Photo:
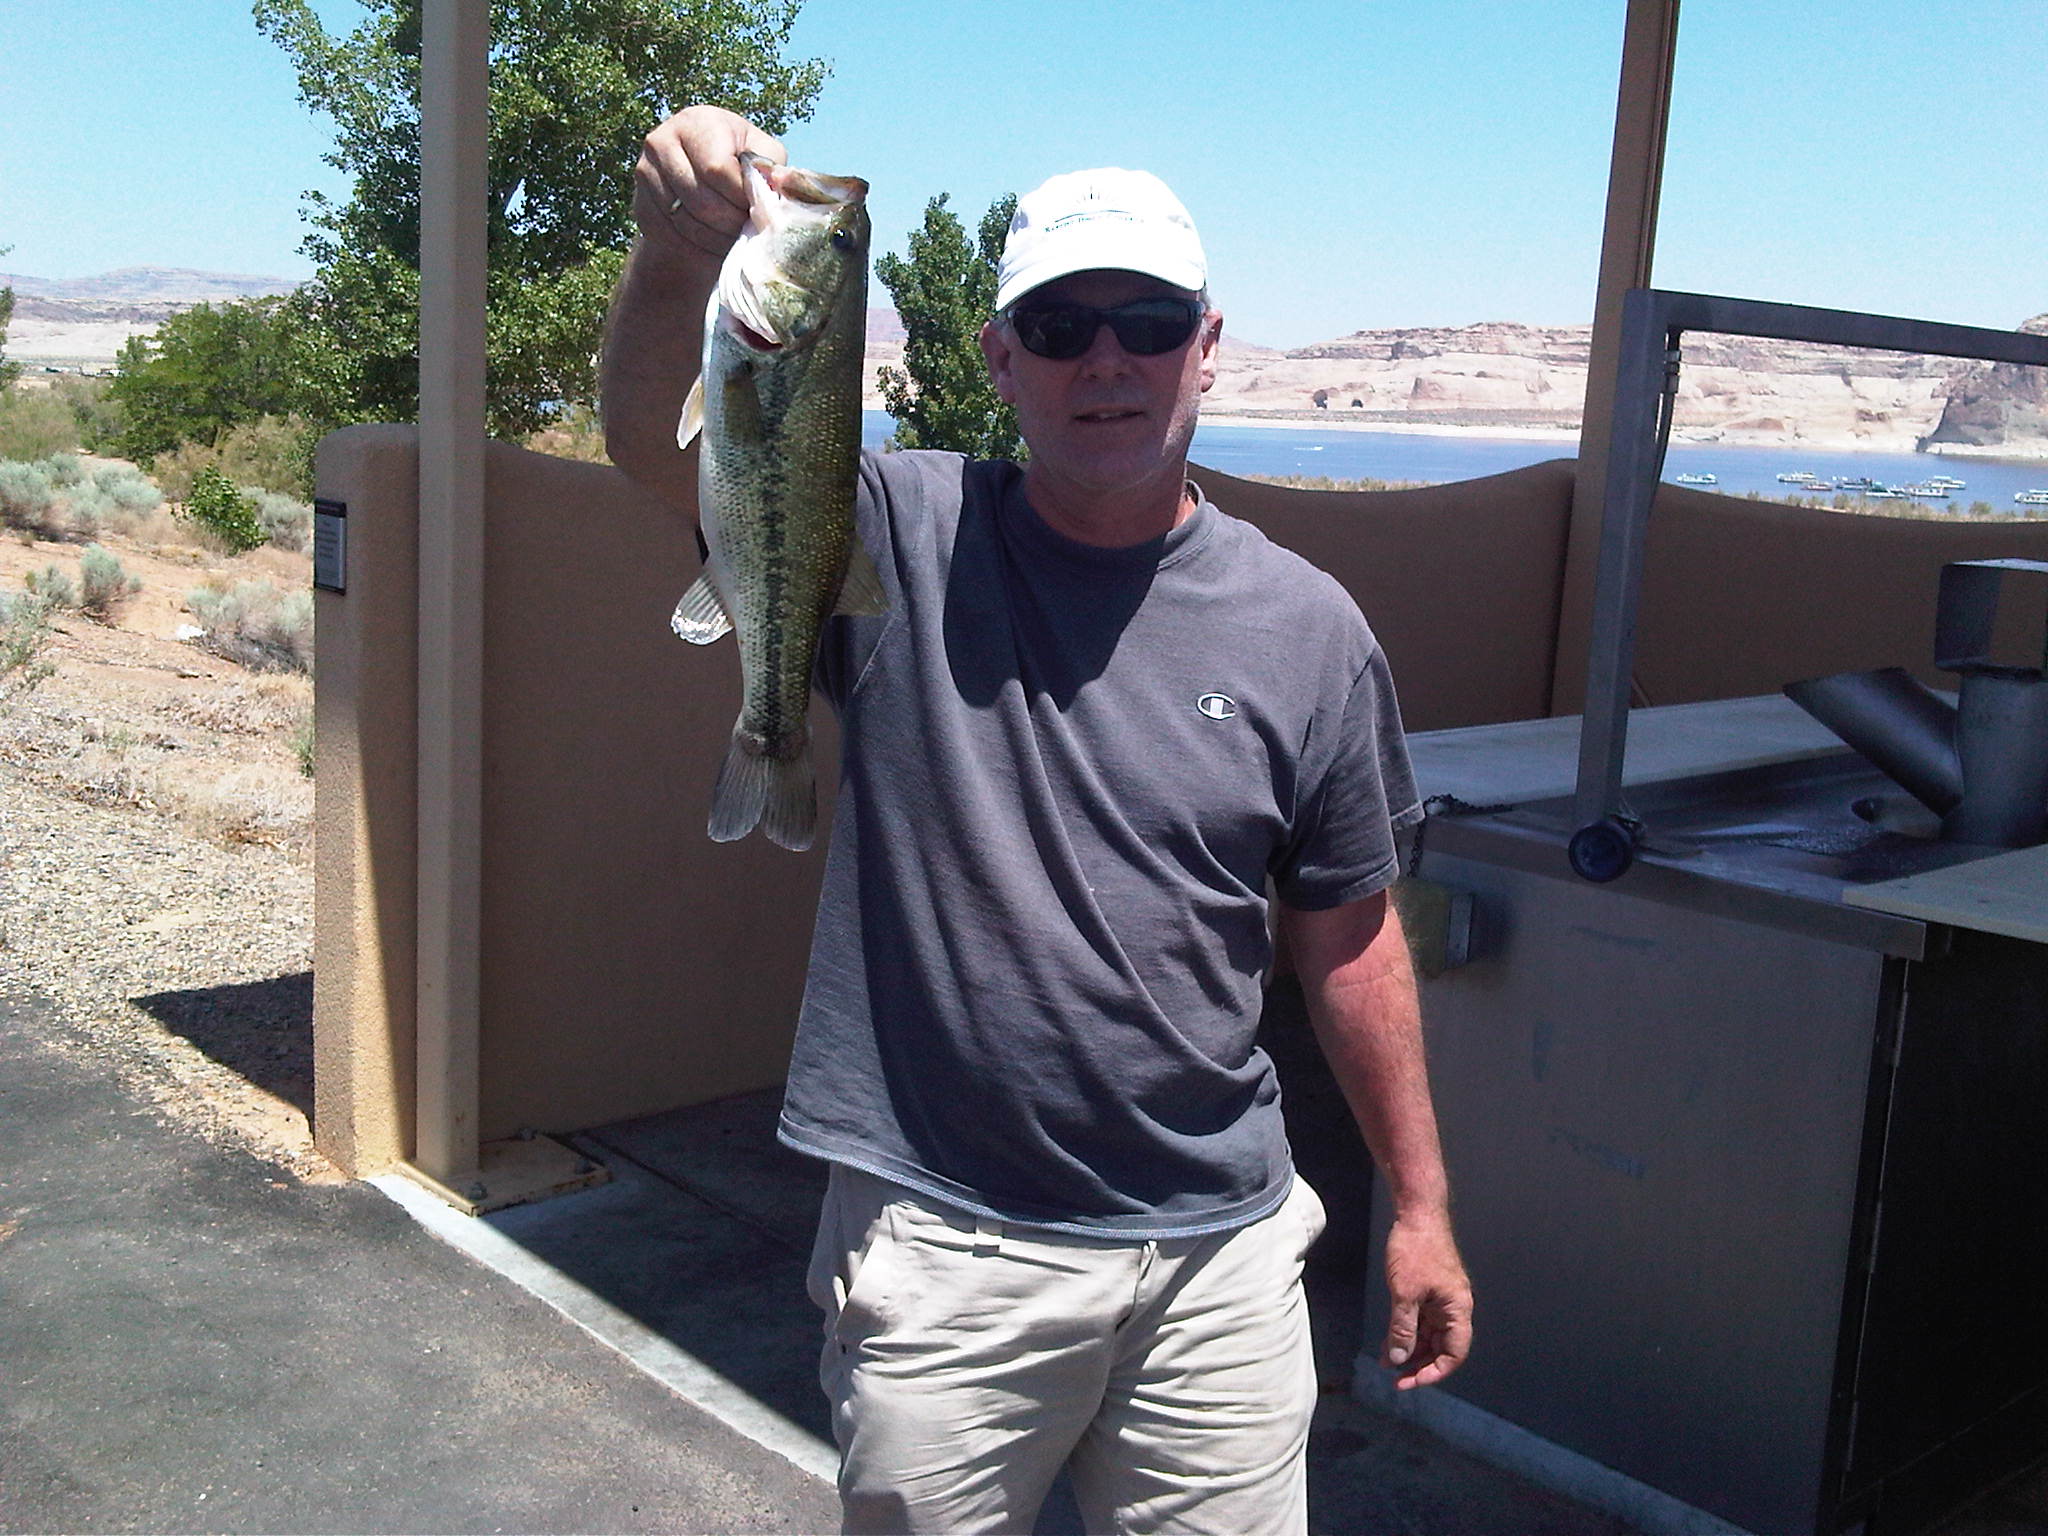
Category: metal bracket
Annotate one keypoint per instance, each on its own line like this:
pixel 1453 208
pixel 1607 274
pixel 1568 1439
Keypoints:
pixel 1652 323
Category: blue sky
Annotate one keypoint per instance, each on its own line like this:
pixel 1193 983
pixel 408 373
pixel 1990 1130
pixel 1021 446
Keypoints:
pixel 1351 163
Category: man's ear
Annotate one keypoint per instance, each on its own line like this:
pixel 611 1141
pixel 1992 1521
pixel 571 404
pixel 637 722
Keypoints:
pixel 1212 341
pixel 996 349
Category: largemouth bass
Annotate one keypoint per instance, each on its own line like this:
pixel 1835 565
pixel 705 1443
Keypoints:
pixel 778 408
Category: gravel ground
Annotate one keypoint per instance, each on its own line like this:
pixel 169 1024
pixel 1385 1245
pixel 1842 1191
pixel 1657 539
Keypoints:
pixel 156 876
pixel 181 966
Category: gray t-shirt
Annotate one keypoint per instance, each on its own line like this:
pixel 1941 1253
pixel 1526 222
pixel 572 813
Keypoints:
pixel 1067 775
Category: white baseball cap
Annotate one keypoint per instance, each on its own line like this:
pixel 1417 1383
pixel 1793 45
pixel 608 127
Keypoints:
pixel 1126 221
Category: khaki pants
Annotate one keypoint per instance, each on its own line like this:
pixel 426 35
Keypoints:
pixel 967 1361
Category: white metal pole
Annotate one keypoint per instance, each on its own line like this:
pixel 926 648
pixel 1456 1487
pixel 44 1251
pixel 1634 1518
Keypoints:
pixel 454 106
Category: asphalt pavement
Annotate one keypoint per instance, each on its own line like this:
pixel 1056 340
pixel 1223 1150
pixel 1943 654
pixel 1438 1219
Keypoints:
pixel 191 1339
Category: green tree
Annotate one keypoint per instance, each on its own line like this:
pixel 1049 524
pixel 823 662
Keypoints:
pixel 9 372
pixel 574 84
pixel 205 370
pixel 942 396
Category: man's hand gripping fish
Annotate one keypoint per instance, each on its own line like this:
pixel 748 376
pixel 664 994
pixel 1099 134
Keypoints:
pixel 778 406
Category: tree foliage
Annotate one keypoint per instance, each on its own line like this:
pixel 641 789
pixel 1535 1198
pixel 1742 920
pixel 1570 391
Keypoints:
pixel 216 503
pixel 204 370
pixel 942 396
pixel 574 84
pixel 9 371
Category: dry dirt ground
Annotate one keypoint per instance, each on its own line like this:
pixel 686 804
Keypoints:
pixel 155 846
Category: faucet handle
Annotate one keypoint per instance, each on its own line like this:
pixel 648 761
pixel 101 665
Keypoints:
pixel 1966 615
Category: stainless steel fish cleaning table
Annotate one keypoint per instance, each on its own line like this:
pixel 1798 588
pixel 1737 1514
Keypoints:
pixel 1742 1089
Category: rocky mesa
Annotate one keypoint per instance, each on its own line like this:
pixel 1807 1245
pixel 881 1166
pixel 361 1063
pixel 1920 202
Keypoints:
pixel 1503 376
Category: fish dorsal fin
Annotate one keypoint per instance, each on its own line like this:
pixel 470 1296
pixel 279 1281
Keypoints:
pixel 861 594
pixel 693 415
pixel 700 617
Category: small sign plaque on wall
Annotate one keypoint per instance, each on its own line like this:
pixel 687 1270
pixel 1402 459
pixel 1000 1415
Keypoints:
pixel 330 545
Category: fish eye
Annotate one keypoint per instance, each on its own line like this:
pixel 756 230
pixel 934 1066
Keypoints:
pixel 842 238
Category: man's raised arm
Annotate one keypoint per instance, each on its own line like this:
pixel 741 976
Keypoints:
pixel 690 200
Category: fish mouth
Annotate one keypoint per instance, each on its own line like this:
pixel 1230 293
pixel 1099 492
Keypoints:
pixel 814 187
pixel 750 338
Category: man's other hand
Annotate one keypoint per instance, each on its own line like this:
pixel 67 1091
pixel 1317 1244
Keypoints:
pixel 1429 1331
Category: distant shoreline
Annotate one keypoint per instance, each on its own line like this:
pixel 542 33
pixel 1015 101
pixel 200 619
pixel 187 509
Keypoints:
pixel 1336 421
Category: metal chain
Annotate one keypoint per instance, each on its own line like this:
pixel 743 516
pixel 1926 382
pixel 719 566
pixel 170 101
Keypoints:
pixel 1444 805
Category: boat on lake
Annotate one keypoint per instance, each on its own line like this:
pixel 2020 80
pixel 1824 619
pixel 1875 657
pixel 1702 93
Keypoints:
pixel 2031 498
pixel 1697 479
pixel 1797 477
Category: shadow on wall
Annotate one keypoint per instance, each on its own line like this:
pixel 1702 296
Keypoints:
pixel 262 1030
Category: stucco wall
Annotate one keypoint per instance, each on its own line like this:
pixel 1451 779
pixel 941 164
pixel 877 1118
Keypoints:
pixel 1460 582
pixel 365 847
pixel 631 965
pixel 1741 597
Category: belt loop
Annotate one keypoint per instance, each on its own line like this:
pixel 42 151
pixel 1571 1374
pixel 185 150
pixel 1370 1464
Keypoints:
pixel 988 1237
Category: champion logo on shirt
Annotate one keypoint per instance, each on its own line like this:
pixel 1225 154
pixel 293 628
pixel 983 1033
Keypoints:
pixel 1217 706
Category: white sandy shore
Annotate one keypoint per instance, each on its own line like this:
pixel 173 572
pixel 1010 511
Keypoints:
pixel 1810 442
pixel 1337 423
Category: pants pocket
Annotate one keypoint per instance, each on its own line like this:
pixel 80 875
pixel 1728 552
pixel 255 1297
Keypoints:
pixel 1309 1209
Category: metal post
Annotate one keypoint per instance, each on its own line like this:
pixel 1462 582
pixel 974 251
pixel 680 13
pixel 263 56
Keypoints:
pixel 1653 321
pixel 1635 176
pixel 454 124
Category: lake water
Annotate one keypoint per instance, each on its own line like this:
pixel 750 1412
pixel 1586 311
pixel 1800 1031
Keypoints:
pixel 1345 455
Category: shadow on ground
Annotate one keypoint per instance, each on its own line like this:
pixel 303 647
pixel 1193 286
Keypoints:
pixel 260 1029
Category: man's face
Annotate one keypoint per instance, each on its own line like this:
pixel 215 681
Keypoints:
pixel 1108 420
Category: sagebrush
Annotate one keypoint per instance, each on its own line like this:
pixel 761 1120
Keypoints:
pixel 103 584
pixel 53 585
pixel 24 631
pixel 61 495
pixel 257 625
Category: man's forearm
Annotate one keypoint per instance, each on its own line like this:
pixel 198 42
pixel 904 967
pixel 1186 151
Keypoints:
pixel 1362 1003
pixel 1354 967
pixel 654 346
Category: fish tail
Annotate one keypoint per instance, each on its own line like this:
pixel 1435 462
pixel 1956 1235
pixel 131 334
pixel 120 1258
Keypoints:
pixel 768 787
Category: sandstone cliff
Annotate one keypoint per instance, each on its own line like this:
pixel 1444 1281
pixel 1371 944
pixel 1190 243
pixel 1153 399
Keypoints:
pixel 1997 406
pixel 1503 375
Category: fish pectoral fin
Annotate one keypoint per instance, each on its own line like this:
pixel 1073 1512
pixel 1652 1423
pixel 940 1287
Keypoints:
pixel 861 594
pixel 700 617
pixel 693 415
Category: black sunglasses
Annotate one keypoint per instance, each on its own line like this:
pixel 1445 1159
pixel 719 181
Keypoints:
pixel 1144 327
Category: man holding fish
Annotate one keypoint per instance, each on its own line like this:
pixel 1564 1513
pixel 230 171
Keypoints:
pixel 1088 722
